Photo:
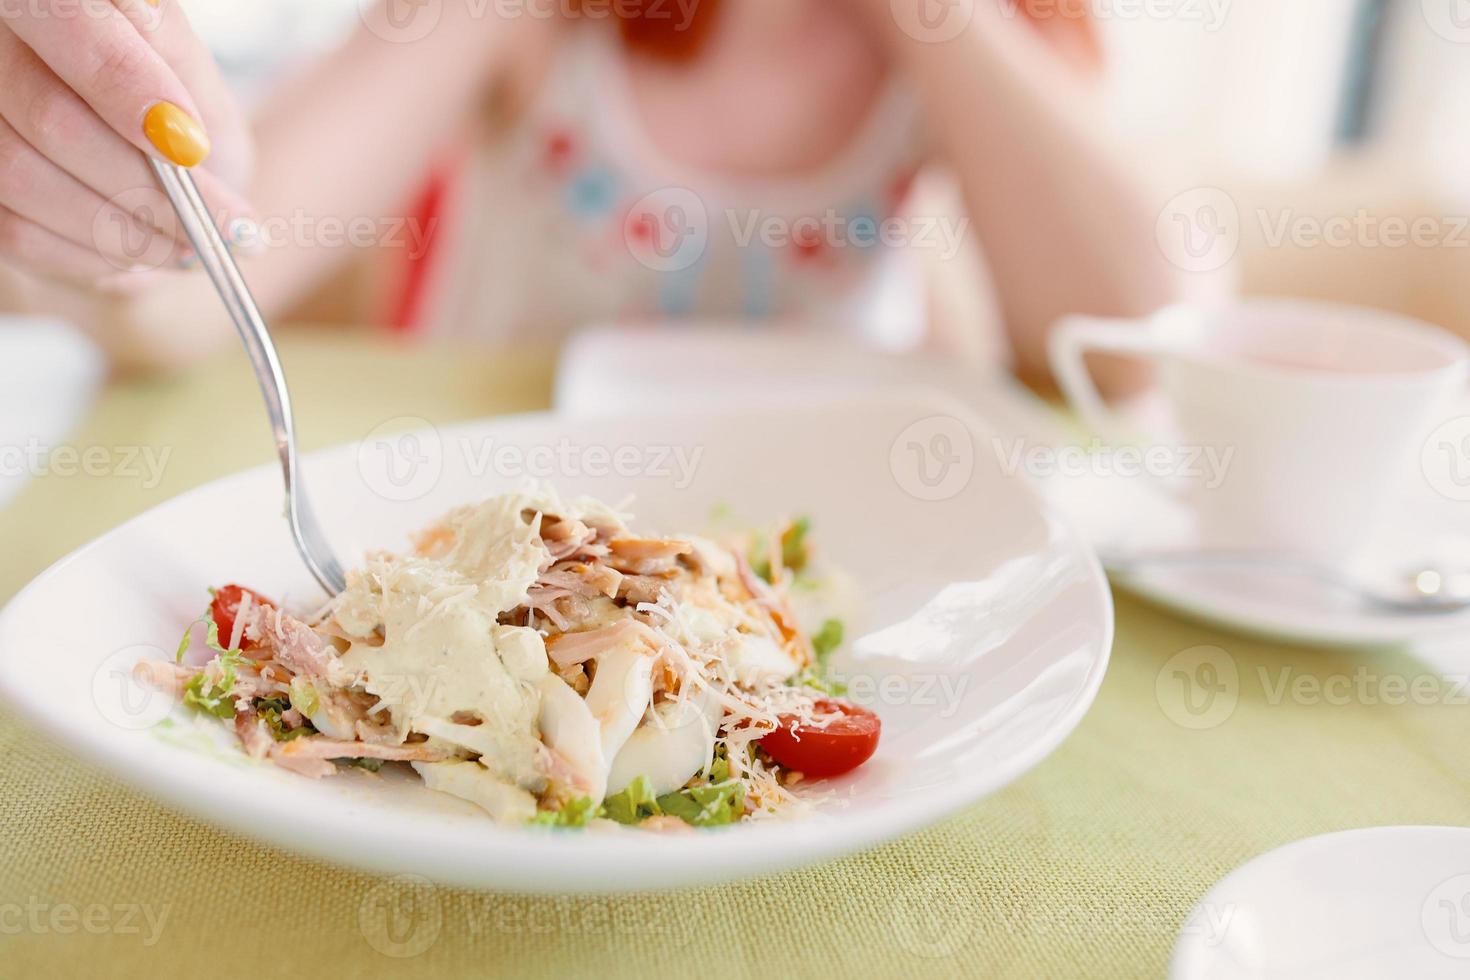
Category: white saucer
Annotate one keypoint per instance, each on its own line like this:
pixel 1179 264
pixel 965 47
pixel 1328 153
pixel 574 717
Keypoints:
pixel 1130 514
pixel 1378 902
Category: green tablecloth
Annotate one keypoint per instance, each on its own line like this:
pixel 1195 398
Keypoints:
pixel 1088 866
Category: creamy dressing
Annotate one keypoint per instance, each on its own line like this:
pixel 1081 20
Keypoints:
pixel 443 666
pixel 424 638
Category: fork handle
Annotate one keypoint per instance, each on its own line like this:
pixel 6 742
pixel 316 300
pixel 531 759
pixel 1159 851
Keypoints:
pixel 215 257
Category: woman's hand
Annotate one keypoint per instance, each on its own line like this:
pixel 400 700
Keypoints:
pixel 1066 214
pixel 90 86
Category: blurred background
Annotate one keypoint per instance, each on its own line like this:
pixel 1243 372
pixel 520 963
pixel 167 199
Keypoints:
pixel 1329 124
pixel 1315 148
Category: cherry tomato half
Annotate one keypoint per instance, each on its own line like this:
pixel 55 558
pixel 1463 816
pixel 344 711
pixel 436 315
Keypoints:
pixel 226 606
pixel 839 746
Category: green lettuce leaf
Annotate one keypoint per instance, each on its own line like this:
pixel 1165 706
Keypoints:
pixel 794 550
pixel 371 765
pixel 827 639
pixel 211 636
pixel 270 711
pixel 303 697
pixel 713 805
pixel 632 805
pixel 215 699
pixel 574 813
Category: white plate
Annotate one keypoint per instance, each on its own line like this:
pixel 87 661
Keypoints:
pixel 1379 902
pixel 1124 514
pixel 986 633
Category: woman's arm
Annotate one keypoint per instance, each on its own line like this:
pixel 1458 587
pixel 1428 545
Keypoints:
pixel 1065 219
pixel 346 142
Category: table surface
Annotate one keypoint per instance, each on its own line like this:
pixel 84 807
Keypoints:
pixel 1088 866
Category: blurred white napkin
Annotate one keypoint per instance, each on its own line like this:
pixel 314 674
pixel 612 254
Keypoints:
pixel 630 369
pixel 49 377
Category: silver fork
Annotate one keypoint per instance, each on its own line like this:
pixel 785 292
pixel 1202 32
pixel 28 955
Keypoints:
pixel 215 257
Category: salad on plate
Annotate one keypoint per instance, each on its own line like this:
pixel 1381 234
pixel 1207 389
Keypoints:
pixel 537 657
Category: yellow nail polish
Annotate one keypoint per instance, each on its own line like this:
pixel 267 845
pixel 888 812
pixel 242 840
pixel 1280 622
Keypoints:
pixel 176 134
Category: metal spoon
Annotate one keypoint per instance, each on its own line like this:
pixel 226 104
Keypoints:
pixel 1430 590
pixel 216 259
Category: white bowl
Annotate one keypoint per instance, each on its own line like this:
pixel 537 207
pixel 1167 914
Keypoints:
pixel 984 633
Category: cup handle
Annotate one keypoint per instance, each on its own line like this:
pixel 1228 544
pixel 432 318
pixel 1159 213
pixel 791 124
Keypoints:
pixel 1072 339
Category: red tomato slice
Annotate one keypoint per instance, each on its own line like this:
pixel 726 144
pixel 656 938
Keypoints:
pixel 839 746
pixel 226 606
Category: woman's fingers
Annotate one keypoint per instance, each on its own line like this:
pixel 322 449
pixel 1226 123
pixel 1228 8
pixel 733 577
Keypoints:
pixel 36 189
pixel 100 55
pixel 166 27
pixel 46 253
pixel 54 120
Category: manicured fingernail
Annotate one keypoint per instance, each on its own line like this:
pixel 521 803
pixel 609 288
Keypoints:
pixel 176 135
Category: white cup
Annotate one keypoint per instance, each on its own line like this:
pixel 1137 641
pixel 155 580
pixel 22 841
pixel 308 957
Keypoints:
pixel 1317 410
